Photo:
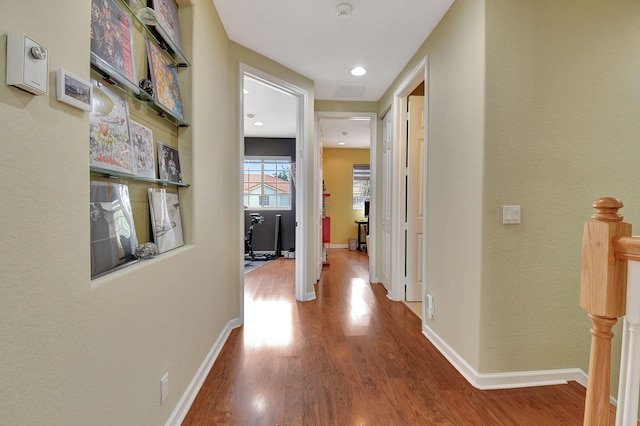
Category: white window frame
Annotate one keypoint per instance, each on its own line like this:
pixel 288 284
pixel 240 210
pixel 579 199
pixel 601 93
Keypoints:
pixel 359 171
pixel 263 159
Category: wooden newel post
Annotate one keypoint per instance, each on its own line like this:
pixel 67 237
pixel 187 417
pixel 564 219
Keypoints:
pixel 603 293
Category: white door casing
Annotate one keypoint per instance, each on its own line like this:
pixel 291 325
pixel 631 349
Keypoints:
pixel 305 170
pixel 415 199
pixel 398 181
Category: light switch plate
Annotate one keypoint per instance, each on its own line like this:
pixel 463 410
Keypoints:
pixel 27 64
pixel 510 215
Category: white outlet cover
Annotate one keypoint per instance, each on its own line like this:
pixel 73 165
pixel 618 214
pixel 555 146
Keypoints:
pixel 164 384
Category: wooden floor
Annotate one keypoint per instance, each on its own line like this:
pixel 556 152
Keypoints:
pixel 352 357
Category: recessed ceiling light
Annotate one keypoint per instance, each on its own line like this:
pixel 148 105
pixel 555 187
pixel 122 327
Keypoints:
pixel 341 143
pixel 258 123
pixel 358 71
pixel 245 91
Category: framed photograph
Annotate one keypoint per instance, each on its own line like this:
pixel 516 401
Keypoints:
pixel 73 90
pixel 168 23
pixel 110 144
pixel 168 163
pixel 113 234
pixel 112 42
pixel 164 76
pixel 166 222
pixel 143 158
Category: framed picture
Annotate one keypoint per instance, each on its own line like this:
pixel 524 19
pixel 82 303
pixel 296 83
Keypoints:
pixel 168 27
pixel 109 134
pixel 168 163
pixel 73 90
pixel 113 234
pixel 112 42
pixel 165 219
pixel 143 158
pixel 164 76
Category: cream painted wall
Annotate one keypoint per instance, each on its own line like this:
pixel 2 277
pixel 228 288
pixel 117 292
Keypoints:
pixel 561 130
pixel 337 167
pixel 80 352
pixel 454 192
pixel 240 54
pixel 531 103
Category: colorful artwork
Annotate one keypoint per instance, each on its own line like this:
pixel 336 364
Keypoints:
pixel 113 234
pixel 112 42
pixel 168 163
pixel 143 157
pixel 165 219
pixel 168 23
pixel 109 138
pixel 164 76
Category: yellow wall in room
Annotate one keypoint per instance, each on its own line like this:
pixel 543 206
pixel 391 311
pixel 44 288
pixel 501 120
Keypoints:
pixel 337 169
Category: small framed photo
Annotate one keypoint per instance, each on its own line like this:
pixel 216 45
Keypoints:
pixel 73 90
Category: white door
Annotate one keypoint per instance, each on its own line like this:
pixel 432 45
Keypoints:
pixel 415 199
pixel 385 222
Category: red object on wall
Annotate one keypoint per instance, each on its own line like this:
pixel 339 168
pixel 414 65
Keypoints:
pixel 326 229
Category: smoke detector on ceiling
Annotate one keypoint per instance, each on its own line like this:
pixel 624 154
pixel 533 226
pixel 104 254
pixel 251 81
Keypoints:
pixel 343 10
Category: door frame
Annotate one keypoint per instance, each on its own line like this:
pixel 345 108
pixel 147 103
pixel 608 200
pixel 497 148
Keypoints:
pixel 398 210
pixel 373 155
pixel 303 173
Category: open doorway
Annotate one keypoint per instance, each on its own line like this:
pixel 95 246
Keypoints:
pixel 346 141
pixel 409 196
pixel 269 190
pixel 298 171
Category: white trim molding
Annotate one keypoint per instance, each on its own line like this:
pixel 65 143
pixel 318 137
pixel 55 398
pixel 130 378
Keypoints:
pixel 509 380
pixel 189 395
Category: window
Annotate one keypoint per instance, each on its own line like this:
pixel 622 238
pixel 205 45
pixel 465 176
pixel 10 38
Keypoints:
pixel 361 185
pixel 267 183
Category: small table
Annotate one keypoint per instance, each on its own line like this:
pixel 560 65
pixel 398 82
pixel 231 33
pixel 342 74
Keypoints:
pixel 362 224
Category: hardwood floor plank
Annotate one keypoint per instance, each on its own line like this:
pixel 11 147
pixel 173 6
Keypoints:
pixel 352 357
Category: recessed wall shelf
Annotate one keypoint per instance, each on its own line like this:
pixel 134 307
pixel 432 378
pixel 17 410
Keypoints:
pixel 142 98
pixel 119 175
pixel 145 16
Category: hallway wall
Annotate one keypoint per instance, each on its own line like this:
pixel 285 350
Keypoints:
pixel 561 131
pixel 76 351
pixel 531 103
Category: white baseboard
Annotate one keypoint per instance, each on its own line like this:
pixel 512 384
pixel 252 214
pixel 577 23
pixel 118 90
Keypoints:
pixel 518 379
pixel 189 395
pixel 340 246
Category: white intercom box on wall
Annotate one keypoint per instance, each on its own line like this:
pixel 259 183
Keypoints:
pixel 27 64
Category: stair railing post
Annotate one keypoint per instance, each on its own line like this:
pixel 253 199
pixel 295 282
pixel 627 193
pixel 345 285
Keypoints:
pixel 603 295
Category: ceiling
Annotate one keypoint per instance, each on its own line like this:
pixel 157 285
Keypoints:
pixel 276 110
pixel 308 37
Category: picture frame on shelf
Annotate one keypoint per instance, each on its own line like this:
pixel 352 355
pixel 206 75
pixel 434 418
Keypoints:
pixel 168 26
pixel 110 145
pixel 143 155
pixel 113 233
pixel 166 222
pixel 169 163
pixel 112 49
pixel 164 76
pixel 73 90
